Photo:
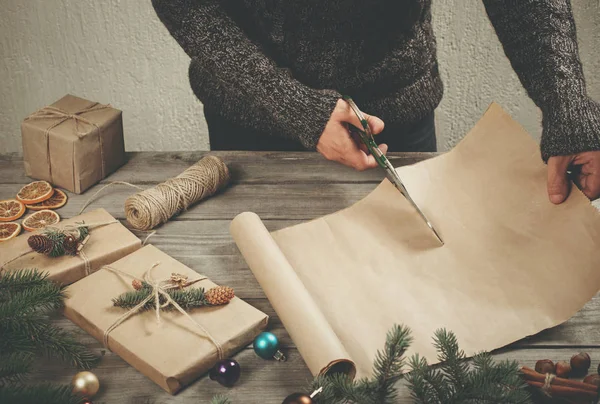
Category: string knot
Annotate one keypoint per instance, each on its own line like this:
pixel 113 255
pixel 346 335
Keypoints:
pixel 160 289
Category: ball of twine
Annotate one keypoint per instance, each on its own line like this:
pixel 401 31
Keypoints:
pixel 154 206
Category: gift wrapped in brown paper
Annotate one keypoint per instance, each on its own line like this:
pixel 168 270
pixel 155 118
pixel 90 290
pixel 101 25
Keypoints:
pixel 108 241
pixel 73 143
pixel 174 347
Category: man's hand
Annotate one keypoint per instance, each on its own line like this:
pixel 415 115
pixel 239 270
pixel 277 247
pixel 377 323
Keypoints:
pixel 586 169
pixel 337 144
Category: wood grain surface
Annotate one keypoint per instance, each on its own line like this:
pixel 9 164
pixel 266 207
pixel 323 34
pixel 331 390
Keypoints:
pixel 284 189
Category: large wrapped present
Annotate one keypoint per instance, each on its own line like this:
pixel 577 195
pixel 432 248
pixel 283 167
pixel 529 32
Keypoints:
pixel 177 346
pixel 73 143
pixel 106 240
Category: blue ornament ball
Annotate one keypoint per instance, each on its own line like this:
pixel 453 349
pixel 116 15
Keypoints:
pixel 266 345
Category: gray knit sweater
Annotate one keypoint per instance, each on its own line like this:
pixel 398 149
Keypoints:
pixel 279 66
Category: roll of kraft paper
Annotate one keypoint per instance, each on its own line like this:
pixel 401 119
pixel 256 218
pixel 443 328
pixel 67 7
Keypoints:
pixel 312 333
pixel 154 206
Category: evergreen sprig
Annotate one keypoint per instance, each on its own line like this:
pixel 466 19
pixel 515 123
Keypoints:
pixel 457 380
pixel 57 238
pixel 220 399
pixel 186 298
pixel 27 297
pixel 42 393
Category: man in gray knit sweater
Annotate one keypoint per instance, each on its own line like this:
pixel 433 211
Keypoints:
pixel 270 74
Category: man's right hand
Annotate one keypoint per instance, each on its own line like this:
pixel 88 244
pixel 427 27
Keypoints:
pixel 337 144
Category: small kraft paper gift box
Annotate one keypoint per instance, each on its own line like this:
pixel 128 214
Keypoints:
pixel 178 345
pixel 73 143
pixel 105 240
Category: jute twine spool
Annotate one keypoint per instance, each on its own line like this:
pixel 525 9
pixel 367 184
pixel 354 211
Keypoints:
pixel 154 206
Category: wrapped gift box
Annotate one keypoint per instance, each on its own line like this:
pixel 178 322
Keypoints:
pixel 106 243
pixel 176 351
pixel 73 143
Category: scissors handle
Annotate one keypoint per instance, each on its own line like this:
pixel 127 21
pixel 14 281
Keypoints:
pixel 366 136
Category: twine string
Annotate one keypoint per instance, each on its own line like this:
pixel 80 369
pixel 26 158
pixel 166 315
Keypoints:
pixel 50 112
pixel 154 206
pixel 548 383
pixel 159 288
pixel 72 229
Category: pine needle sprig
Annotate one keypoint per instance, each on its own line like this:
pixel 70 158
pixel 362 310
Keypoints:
pixel 186 298
pixel 14 282
pixel 27 299
pixel 389 364
pixel 452 358
pixel 43 298
pixel 14 367
pixel 220 399
pixel 43 393
pixel 55 342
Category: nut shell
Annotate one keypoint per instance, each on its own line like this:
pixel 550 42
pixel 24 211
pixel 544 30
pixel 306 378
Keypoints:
pixel 580 363
pixel 563 369
pixel 592 379
pixel 544 366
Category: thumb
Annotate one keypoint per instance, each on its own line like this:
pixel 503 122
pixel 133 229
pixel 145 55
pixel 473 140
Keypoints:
pixel 558 183
pixel 375 123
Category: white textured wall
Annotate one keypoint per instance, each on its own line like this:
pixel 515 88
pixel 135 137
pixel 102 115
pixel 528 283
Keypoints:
pixel 117 51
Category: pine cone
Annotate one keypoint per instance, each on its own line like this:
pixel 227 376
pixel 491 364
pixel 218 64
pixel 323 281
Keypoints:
pixel 219 295
pixel 40 244
pixel 70 245
pixel 137 284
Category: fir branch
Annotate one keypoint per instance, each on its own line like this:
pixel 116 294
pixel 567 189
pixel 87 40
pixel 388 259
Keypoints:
pixel 389 363
pixel 14 367
pixel 55 342
pixel 220 399
pixel 16 281
pixel 43 393
pixel 41 298
pixel 427 385
pixel 452 358
pixel 186 298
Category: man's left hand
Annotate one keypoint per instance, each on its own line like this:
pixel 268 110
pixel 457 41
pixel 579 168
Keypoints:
pixel 586 169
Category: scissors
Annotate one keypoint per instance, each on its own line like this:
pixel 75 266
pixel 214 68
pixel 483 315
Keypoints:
pixel 366 136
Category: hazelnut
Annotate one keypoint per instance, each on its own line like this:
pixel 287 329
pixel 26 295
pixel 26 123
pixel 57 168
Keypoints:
pixel 592 379
pixel 580 363
pixel 563 369
pixel 544 366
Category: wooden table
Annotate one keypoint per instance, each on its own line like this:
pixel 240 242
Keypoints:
pixel 283 189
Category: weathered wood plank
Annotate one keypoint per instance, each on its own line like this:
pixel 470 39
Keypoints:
pixel 246 167
pixel 264 382
pixel 581 330
pixel 269 201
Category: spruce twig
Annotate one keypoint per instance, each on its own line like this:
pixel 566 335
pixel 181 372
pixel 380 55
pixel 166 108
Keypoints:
pixel 14 367
pixel 26 299
pixel 43 393
pixel 14 282
pixel 220 399
pixel 186 298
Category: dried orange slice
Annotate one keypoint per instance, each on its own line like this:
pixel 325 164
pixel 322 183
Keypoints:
pixel 35 192
pixel 40 219
pixel 56 201
pixel 9 230
pixel 10 210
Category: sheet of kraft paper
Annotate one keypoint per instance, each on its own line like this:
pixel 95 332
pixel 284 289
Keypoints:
pixel 513 264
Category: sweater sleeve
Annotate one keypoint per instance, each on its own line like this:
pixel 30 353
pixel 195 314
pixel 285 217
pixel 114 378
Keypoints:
pixel 540 40
pixel 233 74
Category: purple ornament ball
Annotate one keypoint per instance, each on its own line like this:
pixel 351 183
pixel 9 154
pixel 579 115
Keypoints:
pixel 226 372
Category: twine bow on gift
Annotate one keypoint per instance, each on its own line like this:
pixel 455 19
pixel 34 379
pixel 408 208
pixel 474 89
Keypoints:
pixel 50 112
pixel 159 288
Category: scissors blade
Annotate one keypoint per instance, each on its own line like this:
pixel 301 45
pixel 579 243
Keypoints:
pixel 394 178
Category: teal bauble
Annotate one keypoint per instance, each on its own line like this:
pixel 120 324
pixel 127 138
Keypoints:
pixel 266 345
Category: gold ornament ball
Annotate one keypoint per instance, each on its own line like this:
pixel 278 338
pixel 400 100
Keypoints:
pixel 85 384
